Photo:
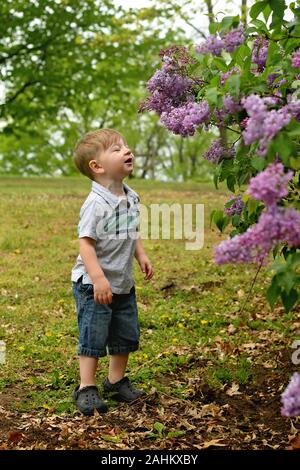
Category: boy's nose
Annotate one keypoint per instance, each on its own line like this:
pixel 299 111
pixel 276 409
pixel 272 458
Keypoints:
pixel 128 151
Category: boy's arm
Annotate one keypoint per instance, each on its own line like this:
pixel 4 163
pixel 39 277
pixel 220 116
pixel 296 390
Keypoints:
pixel 142 258
pixel 102 289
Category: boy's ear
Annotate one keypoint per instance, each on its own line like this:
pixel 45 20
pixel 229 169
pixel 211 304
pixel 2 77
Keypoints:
pixel 96 166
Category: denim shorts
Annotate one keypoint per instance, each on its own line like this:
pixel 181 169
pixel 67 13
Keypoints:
pixel 112 328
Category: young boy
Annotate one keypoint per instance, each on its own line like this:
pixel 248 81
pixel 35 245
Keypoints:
pixel 102 282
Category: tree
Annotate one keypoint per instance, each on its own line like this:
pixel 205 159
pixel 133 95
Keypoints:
pixel 69 67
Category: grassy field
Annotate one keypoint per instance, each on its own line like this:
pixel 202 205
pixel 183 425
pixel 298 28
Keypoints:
pixel 213 377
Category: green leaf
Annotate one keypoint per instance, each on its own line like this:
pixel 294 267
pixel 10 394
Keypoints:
pixel 258 163
pixel 175 434
pixel 159 427
pixel 228 22
pixel 286 280
pixel 212 95
pixel 220 220
pixel 267 12
pixel 257 8
pixel 289 300
pixel 278 7
pixel 295 163
pixel 252 206
pixel 213 28
pixel 261 26
pixel 234 84
pixel 273 292
pixel 230 183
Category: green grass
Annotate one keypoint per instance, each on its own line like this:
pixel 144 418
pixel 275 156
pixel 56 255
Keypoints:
pixel 179 326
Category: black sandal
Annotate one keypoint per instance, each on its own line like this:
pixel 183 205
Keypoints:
pixel 87 399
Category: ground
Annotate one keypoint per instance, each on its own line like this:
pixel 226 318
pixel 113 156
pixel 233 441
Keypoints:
pixel 214 375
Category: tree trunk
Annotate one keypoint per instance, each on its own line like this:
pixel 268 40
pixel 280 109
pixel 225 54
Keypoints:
pixel 244 12
pixel 210 11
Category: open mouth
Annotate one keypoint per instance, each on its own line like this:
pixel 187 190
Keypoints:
pixel 129 160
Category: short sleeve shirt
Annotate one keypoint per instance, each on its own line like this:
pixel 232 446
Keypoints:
pixel 112 221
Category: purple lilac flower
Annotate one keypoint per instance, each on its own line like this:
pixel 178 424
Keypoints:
pixel 172 85
pixel 157 102
pixel 260 52
pixel 272 77
pixel 231 105
pixel 226 75
pixel 233 39
pixel 236 207
pixel 217 152
pixel 185 119
pixel 296 59
pixel 212 45
pixel 263 125
pixel 176 58
pixel 271 100
pixel 290 398
pixel 229 41
pixel 244 123
pixel 166 90
pixel 275 225
pixel 220 115
pixel 254 105
pixel 270 185
pixel 274 122
pixel 257 111
pixel 293 107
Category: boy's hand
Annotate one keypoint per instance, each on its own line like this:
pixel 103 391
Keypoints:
pixel 102 291
pixel 145 266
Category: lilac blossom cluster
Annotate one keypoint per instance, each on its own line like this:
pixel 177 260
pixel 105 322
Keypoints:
pixel 213 45
pixel 263 124
pixel 270 185
pixel 234 39
pixel 171 85
pixel 229 42
pixel 236 208
pixel 296 59
pixel 275 225
pixel 260 52
pixel 217 152
pixel 293 107
pixel 290 398
pixel 231 106
pixel 185 119
pixel 167 89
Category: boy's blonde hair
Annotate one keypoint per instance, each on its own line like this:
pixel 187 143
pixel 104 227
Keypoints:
pixel 91 145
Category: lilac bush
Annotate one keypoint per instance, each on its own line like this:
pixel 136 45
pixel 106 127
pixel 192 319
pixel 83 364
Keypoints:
pixel 242 83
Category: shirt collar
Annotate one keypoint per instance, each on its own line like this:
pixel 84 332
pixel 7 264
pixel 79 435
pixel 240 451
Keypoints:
pixel 111 198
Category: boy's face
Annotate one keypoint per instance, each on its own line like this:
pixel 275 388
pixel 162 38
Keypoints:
pixel 116 162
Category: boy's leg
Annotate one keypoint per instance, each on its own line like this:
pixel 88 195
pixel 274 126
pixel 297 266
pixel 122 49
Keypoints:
pixel 117 367
pixel 88 367
pixel 123 339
